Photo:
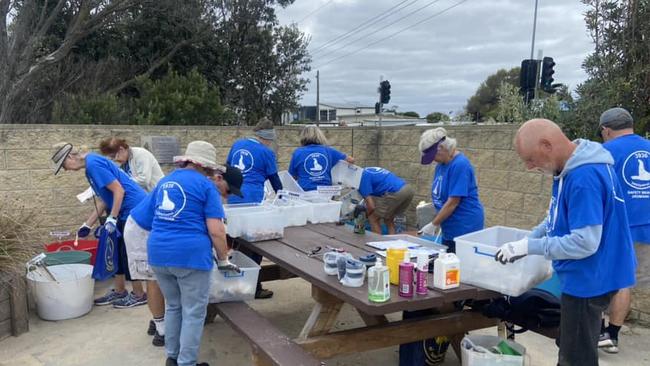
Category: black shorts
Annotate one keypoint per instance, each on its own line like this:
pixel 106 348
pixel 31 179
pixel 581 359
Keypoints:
pixel 122 259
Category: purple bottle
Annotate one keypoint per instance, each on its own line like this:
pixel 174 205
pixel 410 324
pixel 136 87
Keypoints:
pixel 406 269
pixel 421 272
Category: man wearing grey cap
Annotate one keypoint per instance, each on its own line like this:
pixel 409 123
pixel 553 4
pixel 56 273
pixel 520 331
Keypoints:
pixel 631 154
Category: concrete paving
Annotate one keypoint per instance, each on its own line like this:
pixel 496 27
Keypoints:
pixel 112 337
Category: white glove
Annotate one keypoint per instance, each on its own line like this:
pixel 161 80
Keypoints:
pixel 226 265
pixel 111 224
pixel 512 251
pixel 429 229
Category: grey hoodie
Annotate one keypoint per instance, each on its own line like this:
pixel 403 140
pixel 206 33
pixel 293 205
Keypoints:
pixel 583 242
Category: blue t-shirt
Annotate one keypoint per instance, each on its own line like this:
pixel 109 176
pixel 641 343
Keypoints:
pixel 142 214
pixel 589 196
pixel 312 164
pixel 100 172
pixel 377 182
pixel 181 202
pixel 632 165
pixel 257 162
pixel 457 179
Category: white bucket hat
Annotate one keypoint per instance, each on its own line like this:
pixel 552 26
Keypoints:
pixel 201 153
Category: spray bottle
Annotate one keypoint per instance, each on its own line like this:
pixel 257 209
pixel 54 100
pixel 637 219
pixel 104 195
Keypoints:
pixel 406 276
pixel 421 272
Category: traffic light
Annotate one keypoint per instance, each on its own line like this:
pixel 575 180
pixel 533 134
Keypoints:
pixel 384 92
pixel 547 75
pixel 377 108
pixel 528 79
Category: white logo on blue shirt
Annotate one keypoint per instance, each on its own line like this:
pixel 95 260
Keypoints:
pixel 316 164
pixel 376 170
pixel 171 199
pixel 436 190
pixel 636 172
pixel 243 160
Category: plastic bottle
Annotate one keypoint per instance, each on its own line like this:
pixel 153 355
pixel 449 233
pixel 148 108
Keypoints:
pixel 360 223
pixel 400 223
pixel 406 276
pixel 446 271
pixel 378 282
pixel 421 272
pixel 393 258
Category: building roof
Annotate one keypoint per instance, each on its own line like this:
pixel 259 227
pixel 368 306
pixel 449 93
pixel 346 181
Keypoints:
pixel 348 105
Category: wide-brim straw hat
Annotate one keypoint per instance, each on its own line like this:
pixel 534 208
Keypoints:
pixel 201 153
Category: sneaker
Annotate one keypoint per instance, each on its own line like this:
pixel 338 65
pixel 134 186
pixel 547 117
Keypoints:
pixel 607 343
pixel 264 294
pixel 152 328
pixel 130 301
pixel 172 362
pixel 158 340
pixel 110 297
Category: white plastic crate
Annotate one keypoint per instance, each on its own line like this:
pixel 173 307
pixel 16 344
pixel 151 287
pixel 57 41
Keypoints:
pixel 228 286
pixel 476 252
pixel 347 174
pixel 254 222
pixel 476 351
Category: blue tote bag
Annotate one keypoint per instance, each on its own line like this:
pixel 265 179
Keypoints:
pixel 106 263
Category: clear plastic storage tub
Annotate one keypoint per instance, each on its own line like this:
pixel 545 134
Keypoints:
pixel 347 174
pixel 254 222
pixel 295 211
pixel 228 286
pixel 476 252
pixel 324 210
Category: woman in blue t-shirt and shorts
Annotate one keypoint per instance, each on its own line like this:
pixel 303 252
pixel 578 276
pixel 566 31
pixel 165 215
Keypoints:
pixel 118 194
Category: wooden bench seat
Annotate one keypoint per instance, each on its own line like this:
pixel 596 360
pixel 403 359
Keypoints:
pixel 270 346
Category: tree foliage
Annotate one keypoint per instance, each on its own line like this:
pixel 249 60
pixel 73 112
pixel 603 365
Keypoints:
pixel 483 104
pixel 619 67
pixel 101 51
pixel 434 117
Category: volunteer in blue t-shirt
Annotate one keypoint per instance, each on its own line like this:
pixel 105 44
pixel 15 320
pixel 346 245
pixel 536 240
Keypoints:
pixel 119 194
pixel 257 162
pixel 586 233
pixel 187 224
pixel 386 195
pixel 453 191
pixel 254 157
pixel 312 163
pixel 631 154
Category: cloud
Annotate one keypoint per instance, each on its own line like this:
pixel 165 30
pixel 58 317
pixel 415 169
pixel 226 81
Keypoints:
pixel 439 64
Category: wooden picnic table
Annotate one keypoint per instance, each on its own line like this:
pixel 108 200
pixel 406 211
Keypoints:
pixel 291 253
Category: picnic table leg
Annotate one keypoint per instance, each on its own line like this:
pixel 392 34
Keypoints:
pixel 455 344
pixel 323 315
pixel 371 320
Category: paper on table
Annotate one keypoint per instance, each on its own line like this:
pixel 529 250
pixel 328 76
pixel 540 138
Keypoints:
pixel 393 244
pixel 85 195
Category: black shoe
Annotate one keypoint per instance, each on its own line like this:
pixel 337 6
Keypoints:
pixel 152 328
pixel 158 340
pixel 170 362
pixel 264 294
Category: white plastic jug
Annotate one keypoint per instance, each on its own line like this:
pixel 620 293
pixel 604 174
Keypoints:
pixel 446 271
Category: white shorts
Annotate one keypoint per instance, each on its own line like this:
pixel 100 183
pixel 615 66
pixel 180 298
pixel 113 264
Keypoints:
pixel 135 240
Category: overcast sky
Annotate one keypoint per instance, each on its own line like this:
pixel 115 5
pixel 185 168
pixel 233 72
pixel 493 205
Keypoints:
pixel 438 64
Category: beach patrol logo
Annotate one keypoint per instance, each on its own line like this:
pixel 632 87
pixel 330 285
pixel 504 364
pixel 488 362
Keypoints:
pixel 243 160
pixel 636 170
pixel 316 164
pixel 170 201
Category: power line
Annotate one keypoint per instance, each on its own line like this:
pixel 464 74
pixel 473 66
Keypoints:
pixel 351 31
pixel 393 34
pixel 386 26
pixel 314 12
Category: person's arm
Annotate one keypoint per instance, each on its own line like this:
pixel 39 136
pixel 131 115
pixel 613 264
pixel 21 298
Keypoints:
pixel 99 207
pixel 579 244
pixel 217 231
pixel 275 181
pixel 370 205
pixel 446 210
pixel 349 159
pixel 538 231
pixel 142 171
pixel 118 196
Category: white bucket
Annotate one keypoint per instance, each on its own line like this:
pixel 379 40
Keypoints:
pixel 71 296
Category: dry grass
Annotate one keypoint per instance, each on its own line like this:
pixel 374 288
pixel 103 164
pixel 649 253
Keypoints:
pixel 18 242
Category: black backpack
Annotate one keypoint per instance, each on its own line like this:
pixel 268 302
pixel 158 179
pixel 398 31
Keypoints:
pixel 535 309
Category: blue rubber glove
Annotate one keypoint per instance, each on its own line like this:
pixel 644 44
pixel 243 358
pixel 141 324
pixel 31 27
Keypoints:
pixel 111 224
pixel 84 230
pixel 98 232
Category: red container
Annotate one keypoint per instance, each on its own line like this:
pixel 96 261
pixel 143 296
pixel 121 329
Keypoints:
pixel 89 246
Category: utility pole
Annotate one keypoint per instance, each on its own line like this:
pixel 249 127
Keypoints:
pixel 317 97
pixel 532 46
pixel 381 105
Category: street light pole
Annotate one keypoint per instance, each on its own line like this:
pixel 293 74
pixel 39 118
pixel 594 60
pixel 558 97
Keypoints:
pixel 532 46
pixel 317 97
